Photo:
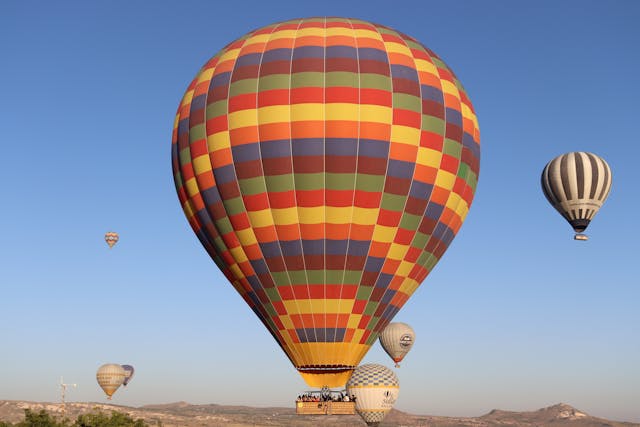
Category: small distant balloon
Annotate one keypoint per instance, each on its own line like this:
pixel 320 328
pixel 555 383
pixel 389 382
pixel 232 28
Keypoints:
pixel 376 389
pixel 397 339
pixel 128 374
pixel 111 238
pixel 577 184
pixel 110 377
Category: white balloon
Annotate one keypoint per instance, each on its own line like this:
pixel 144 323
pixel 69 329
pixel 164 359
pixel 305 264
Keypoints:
pixel 110 376
pixel 376 389
pixel 397 339
pixel 577 184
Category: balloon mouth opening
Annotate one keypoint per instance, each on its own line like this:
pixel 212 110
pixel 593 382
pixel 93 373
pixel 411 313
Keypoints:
pixel 324 369
pixel 579 225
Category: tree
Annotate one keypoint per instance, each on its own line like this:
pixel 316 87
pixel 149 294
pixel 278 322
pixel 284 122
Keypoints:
pixel 100 419
pixel 92 419
pixel 39 419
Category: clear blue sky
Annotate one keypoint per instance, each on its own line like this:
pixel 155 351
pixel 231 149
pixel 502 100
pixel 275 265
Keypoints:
pixel 516 316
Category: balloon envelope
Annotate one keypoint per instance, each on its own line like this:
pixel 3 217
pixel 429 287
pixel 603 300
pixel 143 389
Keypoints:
pixel 577 184
pixel 397 339
pixel 325 164
pixel 111 238
pixel 376 389
pixel 110 377
pixel 128 374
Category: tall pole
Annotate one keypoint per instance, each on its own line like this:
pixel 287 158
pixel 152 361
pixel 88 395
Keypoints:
pixel 63 390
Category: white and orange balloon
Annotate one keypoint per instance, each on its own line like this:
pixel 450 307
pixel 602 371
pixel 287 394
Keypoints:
pixel 111 238
pixel 110 377
pixel 397 339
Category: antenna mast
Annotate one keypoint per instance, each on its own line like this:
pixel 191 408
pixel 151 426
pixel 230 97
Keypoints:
pixel 63 390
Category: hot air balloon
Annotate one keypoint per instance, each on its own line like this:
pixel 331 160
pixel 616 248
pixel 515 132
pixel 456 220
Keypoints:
pixel 397 339
pixel 376 389
pixel 577 184
pixel 111 238
pixel 128 374
pixel 110 376
pixel 325 164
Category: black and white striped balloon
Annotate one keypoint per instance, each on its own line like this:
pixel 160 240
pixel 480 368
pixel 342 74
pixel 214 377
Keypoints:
pixel 577 184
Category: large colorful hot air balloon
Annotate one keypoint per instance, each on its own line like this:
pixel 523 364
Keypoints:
pixel 376 389
pixel 110 377
pixel 397 339
pixel 111 238
pixel 325 164
pixel 128 374
pixel 577 184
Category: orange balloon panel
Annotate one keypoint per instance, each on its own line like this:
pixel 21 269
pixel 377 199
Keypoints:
pixel 325 164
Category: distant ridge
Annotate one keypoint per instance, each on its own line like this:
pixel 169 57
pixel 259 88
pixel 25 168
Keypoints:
pixel 556 415
pixel 184 414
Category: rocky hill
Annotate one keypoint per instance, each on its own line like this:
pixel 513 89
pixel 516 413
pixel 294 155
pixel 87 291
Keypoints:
pixel 182 414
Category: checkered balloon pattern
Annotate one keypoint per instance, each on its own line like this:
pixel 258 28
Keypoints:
pixel 372 375
pixel 325 164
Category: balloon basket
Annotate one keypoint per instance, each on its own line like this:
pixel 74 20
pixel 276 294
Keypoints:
pixel 580 236
pixel 325 402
